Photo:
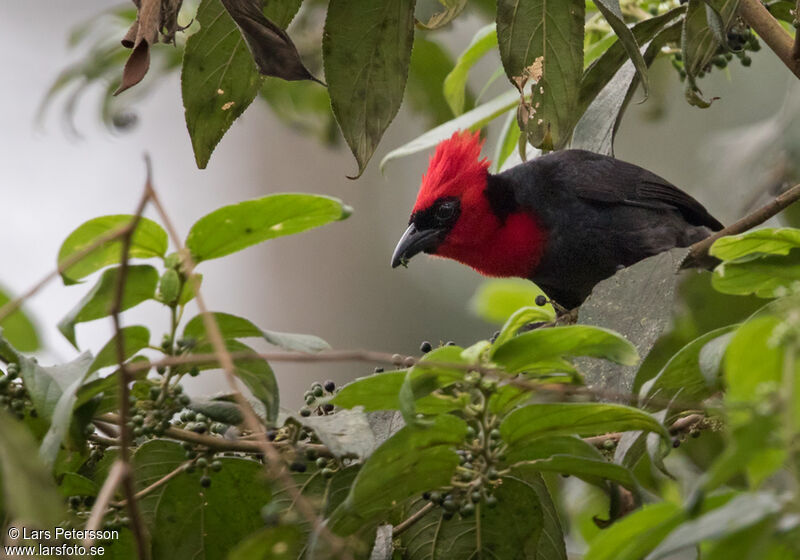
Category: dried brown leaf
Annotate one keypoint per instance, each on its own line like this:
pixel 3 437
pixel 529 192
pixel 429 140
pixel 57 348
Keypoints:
pixel 273 51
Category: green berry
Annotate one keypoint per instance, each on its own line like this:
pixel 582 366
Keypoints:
pixel 13 371
pixel 201 462
pixel 201 417
pixel 491 501
pixel 467 510
pixel 138 420
pixel 205 481
pixel 436 498
pixel 161 370
pixel 184 400
pixel 138 431
pixel 310 400
pixel 322 462
pixel 494 434
pixel 4 381
pixel 449 504
pixel 746 61
pixel 195 371
pixel 475 496
pixel 328 473
pixel 216 465
pixel 318 391
pixel 305 412
pixel 470 432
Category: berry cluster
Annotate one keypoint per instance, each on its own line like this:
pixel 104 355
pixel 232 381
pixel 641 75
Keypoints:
pixel 316 400
pixel 741 40
pixel 203 459
pixel 13 395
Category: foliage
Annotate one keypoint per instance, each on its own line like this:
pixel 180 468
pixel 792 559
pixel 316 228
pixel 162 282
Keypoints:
pixel 449 454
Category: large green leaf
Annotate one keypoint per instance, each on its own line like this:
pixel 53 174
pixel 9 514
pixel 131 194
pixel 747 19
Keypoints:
pixel 133 339
pixel 232 326
pixel 529 29
pixel 218 79
pixel 238 226
pixel 471 120
pixel 753 362
pixel 527 350
pixel 692 374
pixel 410 462
pixel 455 84
pixel 148 240
pixel 496 300
pixel 366 49
pixel 523 526
pixel 24 477
pixel 636 534
pixel 187 520
pixel 585 419
pixel 18 329
pixel 140 285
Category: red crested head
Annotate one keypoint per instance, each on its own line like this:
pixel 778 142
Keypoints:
pixel 455 169
pixel 460 215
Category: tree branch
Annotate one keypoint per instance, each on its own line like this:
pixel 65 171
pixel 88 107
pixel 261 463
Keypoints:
pixel 768 28
pixel 137 526
pixel 698 254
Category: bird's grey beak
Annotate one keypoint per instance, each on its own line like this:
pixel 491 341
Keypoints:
pixel 415 241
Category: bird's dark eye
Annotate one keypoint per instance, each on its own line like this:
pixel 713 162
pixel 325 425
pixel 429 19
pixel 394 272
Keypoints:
pixel 445 211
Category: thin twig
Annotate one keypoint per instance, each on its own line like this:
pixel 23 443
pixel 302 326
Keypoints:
pixel 416 516
pixel 217 443
pixel 275 465
pixel 136 524
pixel 768 28
pixel 160 482
pixel 698 254
pixel 682 425
pixel 119 470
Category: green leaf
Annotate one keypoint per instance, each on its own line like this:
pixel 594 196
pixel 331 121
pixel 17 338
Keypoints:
pixel 455 84
pixel 411 461
pixel 187 520
pixel 767 277
pixel 140 285
pixel 24 476
pixel 509 141
pixel 238 226
pixel 471 120
pixel 218 79
pixel 699 42
pixel 18 329
pixel 218 410
pixel 526 350
pixel 134 339
pixel 692 373
pixel 357 36
pixel 255 373
pixel 613 15
pixel 382 392
pixel 169 286
pixel 593 471
pixel 753 360
pixel 604 68
pixel 53 391
pixel 523 525
pixel 529 29
pixel 585 419
pixel 519 319
pixel 233 327
pixel 766 241
pixel 148 240
pixel 636 534
pixel 430 63
pixel 743 511
pixel 284 542
pixel 496 300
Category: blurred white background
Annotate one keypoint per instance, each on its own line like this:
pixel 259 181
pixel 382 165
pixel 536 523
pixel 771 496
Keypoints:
pixel 335 281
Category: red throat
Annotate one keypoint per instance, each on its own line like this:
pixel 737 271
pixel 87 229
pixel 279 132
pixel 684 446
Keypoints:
pixel 494 246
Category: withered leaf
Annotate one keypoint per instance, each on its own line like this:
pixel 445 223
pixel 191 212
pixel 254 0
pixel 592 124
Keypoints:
pixel 152 17
pixel 272 49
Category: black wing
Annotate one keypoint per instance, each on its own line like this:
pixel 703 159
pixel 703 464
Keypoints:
pixel 609 180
